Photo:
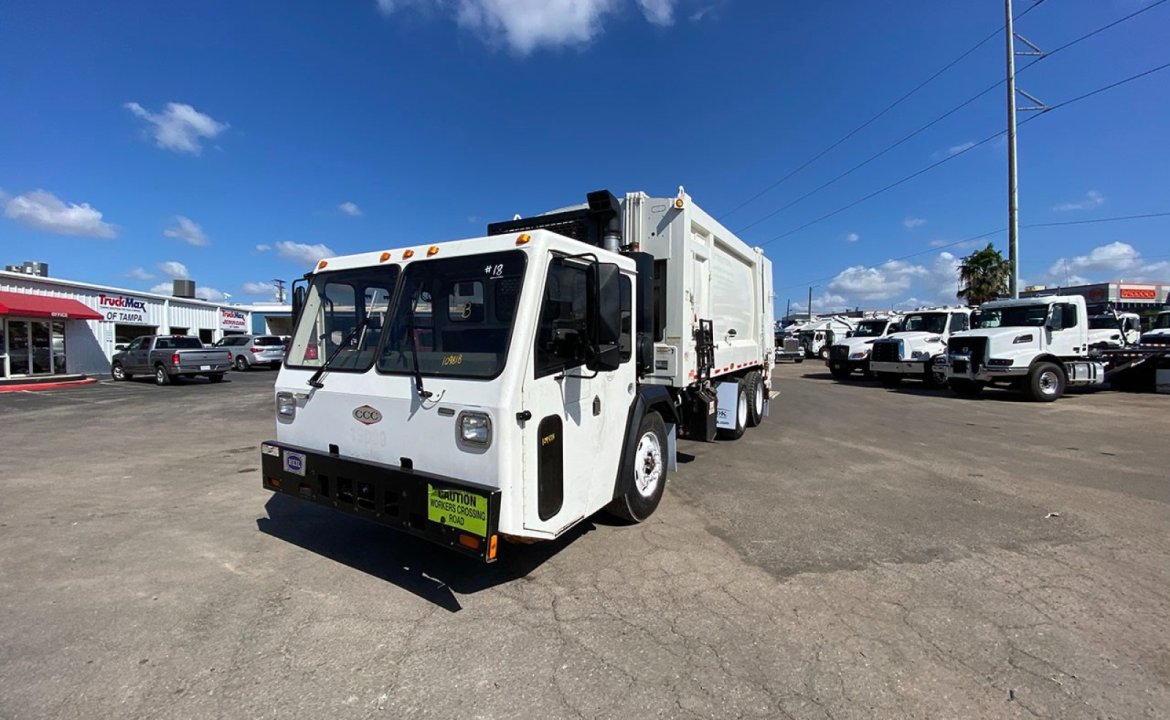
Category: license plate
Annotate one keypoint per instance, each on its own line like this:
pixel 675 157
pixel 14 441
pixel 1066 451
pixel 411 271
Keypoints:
pixel 294 463
pixel 460 509
pixel 204 367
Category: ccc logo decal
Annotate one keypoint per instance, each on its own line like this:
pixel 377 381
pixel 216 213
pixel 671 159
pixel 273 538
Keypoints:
pixel 367 415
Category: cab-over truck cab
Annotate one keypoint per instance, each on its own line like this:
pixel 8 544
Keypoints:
pixel 915 351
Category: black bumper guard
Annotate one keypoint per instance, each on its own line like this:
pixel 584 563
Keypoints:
pixel 386 494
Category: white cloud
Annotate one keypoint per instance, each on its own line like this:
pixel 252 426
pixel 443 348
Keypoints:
pixel 867 286
pixel 262 288
pixel 179 126
pixel 302 253
pixel 527 25
pixel 852 237
pixel 1093 199
pixel 350 209
pixel 263 247
pixel 658 12
pixel 174 269
pixel 961 147
pixel 911 223
pixel 139 274
pixel 43 210
pixel 163 288
pixel 1114 261
pixel 210 294
pixel 826 302
pixel 188 231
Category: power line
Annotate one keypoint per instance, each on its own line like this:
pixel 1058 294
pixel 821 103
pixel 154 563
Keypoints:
pixel 1099 220
pixel 881 113
pixel 960 153
pixel 938 119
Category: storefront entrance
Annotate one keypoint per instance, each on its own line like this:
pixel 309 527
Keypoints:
pixel 32 347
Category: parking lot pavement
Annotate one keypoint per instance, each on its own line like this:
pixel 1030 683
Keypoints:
pixel 864 553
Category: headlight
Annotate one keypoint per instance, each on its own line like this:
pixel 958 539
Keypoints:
pixel 286 405
pixel 934 339
pixel 1022 339
pixel 475 428
pixel 859 355
pixel 920 355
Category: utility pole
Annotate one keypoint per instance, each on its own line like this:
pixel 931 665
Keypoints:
pixel 1013 192
pixel 788 308
pixel 279 290
pixel 810 304
pixel 1013 196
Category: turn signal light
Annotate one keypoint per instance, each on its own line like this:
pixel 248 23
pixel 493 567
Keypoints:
pixel 524 239
pixel 407 254
pixel 384 257
pixel 470 542
pixel 432 250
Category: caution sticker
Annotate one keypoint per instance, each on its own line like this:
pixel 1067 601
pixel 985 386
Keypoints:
pixel 458 509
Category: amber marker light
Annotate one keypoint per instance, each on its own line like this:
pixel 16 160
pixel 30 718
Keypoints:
pixel 322 265
pixel 678 203
pixel 470 542
pixel 384 257
pixel 432 250
pixel 524 239
pixel 492 546
pixel 407 254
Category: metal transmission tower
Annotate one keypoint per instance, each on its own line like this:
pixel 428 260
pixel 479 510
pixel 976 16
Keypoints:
pixel 1013 194
pixel 279 290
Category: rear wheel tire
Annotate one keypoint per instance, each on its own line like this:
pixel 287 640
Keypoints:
pixel 966 388
pixel 241 363
pixel 741 414
pixel 160 376
pixel 755 393
pixel 1045 382
pixel 649 472
pixel 890 380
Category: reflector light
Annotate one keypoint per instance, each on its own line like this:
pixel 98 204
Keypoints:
pixel 407 254
pixel 492 547
pixel 274 482
pixel 384 257
pixel 322 265
pixel 524 239
pixel 432 250
pixel 469 541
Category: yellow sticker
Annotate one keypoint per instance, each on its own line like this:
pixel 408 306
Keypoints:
pixel 460 509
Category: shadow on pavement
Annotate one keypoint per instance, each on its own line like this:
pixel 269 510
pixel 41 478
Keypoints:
pixel 431 572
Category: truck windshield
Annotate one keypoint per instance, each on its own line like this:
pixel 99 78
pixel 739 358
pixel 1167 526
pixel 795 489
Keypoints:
pixel 1162 322
pixel 870 328
pixel 1104 322
pixel 337 303
pixel 1019 316
pixel 933 322
pixel 453 317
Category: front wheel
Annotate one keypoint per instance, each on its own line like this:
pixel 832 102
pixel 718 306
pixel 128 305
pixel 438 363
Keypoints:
pixel 160 376
pixel 119 373
pixel 934 377
pixel 649 472
pixel 741 415
pixel 755 393
pixel 824 353
pixel 1045 382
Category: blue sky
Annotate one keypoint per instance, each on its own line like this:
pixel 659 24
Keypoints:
pixel 235 142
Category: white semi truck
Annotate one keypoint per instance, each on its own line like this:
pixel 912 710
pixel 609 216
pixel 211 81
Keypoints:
pixel 852 353
pixel 915 351
pixel 1159 332
pixel 1041 346
pixel 510 386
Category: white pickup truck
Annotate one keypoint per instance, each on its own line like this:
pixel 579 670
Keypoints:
pixel 919 348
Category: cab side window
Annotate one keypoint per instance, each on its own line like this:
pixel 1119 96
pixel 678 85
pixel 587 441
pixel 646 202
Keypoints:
pixel 960 322
pixel 561 339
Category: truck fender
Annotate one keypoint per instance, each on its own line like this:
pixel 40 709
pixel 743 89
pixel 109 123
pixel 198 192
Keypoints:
pixel 650 398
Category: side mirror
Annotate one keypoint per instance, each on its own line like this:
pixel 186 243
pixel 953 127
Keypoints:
pixel 119 348
pixel 848 333
pixel 605 317
pixel 1055 319
pixel 298 302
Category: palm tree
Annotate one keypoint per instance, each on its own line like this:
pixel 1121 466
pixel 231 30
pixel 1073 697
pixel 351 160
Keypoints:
pixel 983 276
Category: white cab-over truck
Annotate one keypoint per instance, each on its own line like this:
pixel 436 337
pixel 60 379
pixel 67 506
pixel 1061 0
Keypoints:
pixel 852 353
pixel 915 351
pixel 510 386
pixel 1038 345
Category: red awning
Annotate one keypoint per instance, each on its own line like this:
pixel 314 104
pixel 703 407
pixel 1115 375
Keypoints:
pixel 26 305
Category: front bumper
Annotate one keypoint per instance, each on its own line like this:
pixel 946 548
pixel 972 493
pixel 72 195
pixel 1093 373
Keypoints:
pixel 457 514
pixel 850 365
pixel 789 355
pixel 961 368
pixel 905 367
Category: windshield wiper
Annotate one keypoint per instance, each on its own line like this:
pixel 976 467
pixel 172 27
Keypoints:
pixel 315 380
pixel 418 379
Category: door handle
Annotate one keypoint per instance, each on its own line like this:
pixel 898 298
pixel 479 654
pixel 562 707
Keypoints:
pixel 731 332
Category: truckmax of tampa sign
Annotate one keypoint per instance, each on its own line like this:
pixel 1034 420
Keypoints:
pixel 232 320
pixel 123 309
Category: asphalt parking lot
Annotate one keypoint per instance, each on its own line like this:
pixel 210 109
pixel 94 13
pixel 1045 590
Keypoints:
pixel 864 553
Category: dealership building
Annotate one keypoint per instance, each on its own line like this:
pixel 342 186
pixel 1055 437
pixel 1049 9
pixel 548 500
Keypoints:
pixel 63 327
pixel 1121 296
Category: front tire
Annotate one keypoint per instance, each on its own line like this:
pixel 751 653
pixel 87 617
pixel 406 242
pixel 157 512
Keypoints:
pixel 160 376
pixel 824 353
pixel 119 373
pixel 934 377
pixel 741 414
pixel 649 472
pixel 755 393
pixel 1045 382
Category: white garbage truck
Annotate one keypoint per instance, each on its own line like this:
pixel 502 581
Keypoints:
pixel 915 351
pixel 510 386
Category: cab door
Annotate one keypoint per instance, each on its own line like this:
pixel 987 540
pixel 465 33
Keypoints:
pixel 572 441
